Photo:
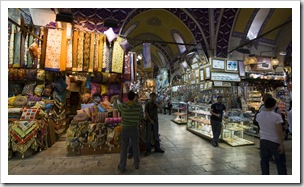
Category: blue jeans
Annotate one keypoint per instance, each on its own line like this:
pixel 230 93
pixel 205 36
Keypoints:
pixel 129 134
pixel 149 129
pixel 216 130
pixel 267 150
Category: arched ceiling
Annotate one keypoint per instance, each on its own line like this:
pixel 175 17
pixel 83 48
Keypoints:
pixel 218 31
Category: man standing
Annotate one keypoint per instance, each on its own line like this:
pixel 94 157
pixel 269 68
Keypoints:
pixel 131 113
pixel 271 138
pixel 217 112
pixel 152 124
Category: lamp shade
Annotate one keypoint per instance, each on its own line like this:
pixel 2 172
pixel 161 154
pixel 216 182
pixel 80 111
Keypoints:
pixel 275 62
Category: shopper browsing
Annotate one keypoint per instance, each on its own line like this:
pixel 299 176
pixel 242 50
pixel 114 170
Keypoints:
pixel 131 114
pixel 271 138
pixel 152 124
pixel 217 112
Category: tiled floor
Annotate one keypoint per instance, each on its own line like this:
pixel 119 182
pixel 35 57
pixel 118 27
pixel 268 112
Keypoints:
pixel 185 154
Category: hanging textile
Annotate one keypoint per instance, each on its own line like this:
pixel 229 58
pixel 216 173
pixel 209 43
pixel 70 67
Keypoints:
pixel 132 66
pixel 147 55
pixel 25 50
pixel 22 46
pixel 109 64
pixel 11 47
pixel 86 51
pixel 106 56
pixel 69 58
pixel 63 54
pixel 74 55
pixel 102 51
pixel 96 52
pixel 117 56
pixel 29 57
pixel 53 49
pixel 80 51
pixel 17 42
pixel 37 61
pixel 92 50
pixel 127 68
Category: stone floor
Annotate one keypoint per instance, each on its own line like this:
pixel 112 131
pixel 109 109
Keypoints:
pixel 185 154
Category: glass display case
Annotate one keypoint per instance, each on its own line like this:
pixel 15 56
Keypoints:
pixel 179 110
pixel 198 120
pixel 233 128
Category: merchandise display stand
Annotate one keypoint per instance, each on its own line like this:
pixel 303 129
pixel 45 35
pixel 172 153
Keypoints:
pixel 181 114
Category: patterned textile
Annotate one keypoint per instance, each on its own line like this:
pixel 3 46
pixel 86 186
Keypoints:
pixel 115 78
pixel 105 77
pixel 28 89
pixel 94 113
pixel 25 49
pixel 69 58
pixel 28 134
pixel 102 52
pixel 40 75
pixel 118 56
pixel 74 51
pixel 11 47
pixel 115 89
pixel 60 85
pixel 147 55
pixel 95 88
pixel 106 57
pixel 80 51
pixel 29 57
pixel 22 46
pixel 63 53
pixel 125 45
pixel 29 113
pixel 34 98
pixel 31 74
pixel 92 50
pixel 96 50
pixel 53 50
pixel 112 120
pixel 39 89
pixel 86 51
pixel 97 78
pixel 104 89
pixel 127 68
pixel 17 43
pixel 20 101
pixel 110 35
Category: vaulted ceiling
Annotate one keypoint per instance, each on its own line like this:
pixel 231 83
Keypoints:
pixel 217 31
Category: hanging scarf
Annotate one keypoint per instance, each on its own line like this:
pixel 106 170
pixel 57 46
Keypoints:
pixel 74 55
pixel 106 57
pixel 95 62
pixel 11 47
pixel 118 56
pixel 80 52
pixel 92 50
pixel 127 68
pixel 86 51
pixel 63 54
pixel 25 50
pixel 17 42
pixel 53 50
pixel 102 51
pixel 69 58
pixel 29 57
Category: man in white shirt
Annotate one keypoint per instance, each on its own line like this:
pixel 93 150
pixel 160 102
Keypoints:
pixel 271 138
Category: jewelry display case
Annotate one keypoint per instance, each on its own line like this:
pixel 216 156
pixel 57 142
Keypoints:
pixel 179 109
